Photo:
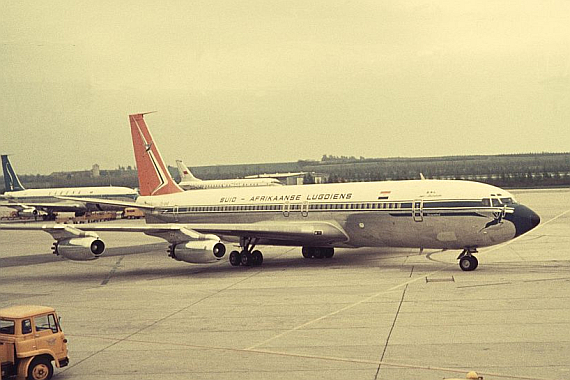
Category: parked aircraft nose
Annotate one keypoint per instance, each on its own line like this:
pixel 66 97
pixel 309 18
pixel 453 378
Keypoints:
pixel 524 219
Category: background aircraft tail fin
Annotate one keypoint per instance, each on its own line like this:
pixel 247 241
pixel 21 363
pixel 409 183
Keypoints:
pixel 11 179
pixel 185 173
pixel 154 178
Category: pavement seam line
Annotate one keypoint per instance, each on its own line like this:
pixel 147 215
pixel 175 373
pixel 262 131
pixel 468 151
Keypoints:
pixel 386 291
pixel 350 306
pixel 390 333
pixel 158 321
pixel 327 358
pixel 112 271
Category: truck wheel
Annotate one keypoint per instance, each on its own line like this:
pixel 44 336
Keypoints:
pixel 40 369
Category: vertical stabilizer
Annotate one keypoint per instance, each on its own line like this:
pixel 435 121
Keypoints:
pixel 185 173
pixel 154 178
pixel 11 180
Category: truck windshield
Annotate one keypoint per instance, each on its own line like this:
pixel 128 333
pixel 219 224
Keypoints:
pixel 7 326
pixel 46 322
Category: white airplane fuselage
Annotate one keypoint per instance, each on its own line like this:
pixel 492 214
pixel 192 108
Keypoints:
pixel 228 183
pixel 52 201
pixel 437 214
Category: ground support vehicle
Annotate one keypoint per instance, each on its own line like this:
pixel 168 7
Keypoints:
pixel 132 213
pixel 30 340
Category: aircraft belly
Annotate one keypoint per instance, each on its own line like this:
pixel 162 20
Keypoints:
pixel 437 232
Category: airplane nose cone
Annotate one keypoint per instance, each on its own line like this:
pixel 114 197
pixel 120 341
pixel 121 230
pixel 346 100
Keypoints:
pixel 524 219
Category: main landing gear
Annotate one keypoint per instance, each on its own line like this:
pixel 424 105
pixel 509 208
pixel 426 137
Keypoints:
pixel 49 216
pixel 467 261
pixel 247 257
pixel 318 252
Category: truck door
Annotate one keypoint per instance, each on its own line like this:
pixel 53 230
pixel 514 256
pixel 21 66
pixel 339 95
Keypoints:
pixel 28 342
pixel 47 334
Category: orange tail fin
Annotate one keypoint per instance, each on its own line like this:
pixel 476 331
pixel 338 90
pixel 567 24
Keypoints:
pixel 154 178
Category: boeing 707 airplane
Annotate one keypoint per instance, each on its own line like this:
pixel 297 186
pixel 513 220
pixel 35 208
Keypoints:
pixel 189 182
pixel 430 214
pixel 45 202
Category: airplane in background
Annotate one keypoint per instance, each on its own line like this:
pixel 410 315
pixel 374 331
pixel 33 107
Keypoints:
pixel 424 214
pixel 45 202
pixel 189 182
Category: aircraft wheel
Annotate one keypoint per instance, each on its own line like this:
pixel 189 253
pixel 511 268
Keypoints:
pixel 468 263
pixel 246 259
pixel 475 262
pixel 329 252
pixel 235 258
pixel 307 252
pixel 319 253
pixel 257 258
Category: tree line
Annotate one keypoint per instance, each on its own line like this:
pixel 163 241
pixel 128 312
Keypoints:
pixel 516 170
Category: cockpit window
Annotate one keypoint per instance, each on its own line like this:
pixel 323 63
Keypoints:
pixel 486 202
pixel 496 202
pixel 508 201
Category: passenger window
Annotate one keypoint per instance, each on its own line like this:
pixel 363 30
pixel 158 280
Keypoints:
pixel 26 326
pixel 7 326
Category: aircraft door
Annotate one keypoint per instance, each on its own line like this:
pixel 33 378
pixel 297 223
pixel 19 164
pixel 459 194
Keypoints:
pixel 175 213
pixel 286 209
pixel 305 209
pixel 418 210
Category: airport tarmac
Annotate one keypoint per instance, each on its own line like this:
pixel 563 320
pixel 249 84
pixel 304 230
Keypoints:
pixel 364 314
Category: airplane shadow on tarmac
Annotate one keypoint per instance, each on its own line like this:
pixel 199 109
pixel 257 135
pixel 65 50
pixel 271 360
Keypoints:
pixel 381 258
pixel 44 258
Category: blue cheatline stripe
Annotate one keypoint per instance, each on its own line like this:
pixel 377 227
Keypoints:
pixel 461 208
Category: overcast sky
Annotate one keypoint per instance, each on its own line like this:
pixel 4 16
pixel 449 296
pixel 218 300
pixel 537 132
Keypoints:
pixel 271 81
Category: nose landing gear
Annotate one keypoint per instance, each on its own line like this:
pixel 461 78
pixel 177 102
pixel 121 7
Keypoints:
pixel 468 262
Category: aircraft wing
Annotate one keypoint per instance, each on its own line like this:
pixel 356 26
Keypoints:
pixel 316 233
pixel 278 232
pixel 15 205
pixel 73 205
pixel 109 202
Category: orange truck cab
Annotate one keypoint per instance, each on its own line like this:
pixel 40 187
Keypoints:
pixel 30 340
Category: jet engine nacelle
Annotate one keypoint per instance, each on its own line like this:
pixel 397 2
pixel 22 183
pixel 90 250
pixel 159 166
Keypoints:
pixel 80 249
pixel 198 251
pixel 31 212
